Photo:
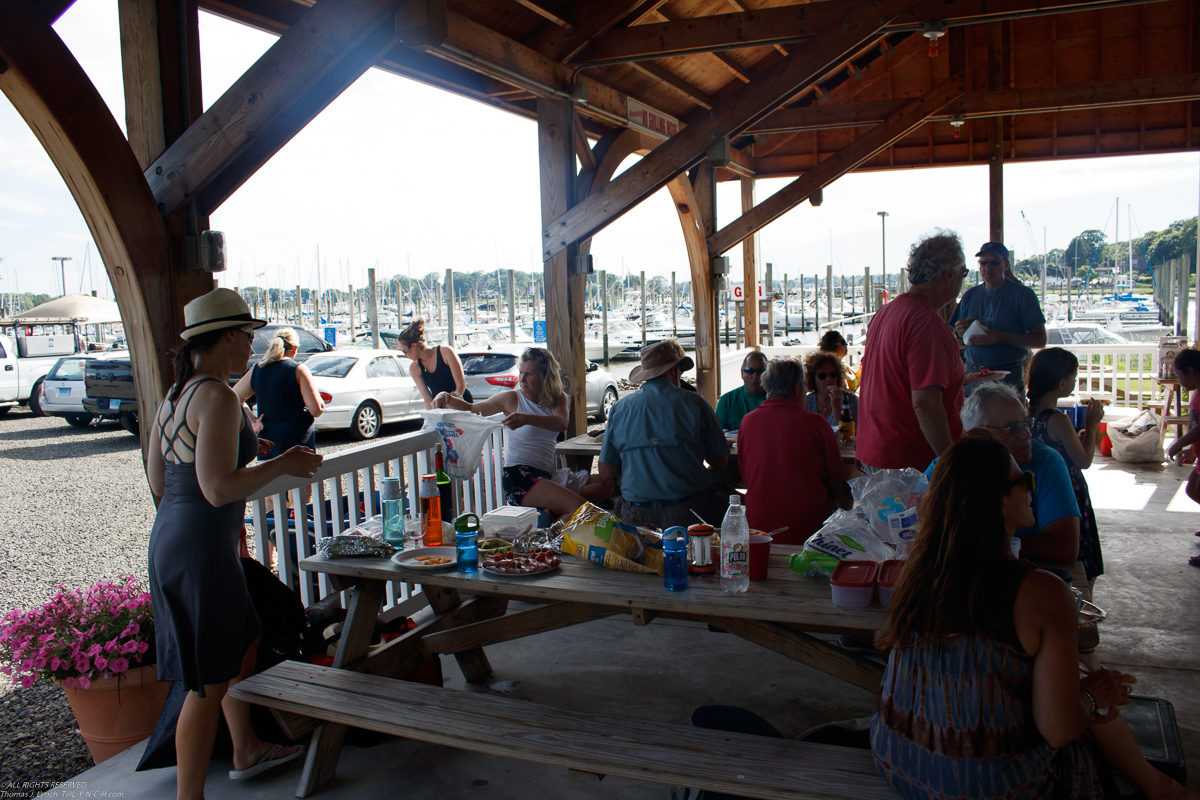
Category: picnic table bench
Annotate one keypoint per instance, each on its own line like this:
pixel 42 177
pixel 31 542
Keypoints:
pixel 780 613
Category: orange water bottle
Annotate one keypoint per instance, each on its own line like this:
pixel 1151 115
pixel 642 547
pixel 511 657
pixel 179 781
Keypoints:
pixel 431 511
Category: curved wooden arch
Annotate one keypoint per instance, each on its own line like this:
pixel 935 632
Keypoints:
pixel 609 153
pixel 49 89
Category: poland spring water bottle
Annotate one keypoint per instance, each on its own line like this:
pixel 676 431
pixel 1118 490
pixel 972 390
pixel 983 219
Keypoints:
pixel 735 547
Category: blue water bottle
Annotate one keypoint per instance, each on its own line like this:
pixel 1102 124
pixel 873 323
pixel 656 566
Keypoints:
pixel 675 541
pixel 466 543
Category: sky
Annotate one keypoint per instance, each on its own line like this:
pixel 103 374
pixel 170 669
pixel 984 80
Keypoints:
pixel 400 176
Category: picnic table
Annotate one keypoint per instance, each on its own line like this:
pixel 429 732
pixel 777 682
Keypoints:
pixel 362 688
pixel 579 451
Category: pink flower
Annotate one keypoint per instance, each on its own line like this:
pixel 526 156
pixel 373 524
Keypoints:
pixel 70 683
pixel 101 662
pixel 118 665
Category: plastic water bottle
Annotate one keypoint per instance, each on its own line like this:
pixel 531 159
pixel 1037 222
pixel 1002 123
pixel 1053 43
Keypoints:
pixel 735 547
pixel 675 542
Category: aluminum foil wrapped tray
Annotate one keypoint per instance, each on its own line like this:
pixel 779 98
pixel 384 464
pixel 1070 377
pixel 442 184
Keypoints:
pixel 354 547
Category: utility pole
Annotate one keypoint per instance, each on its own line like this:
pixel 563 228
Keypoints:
pixel 372 309
pixel 604 312
pixel 512 301
pixel 449 307
pixel 62 267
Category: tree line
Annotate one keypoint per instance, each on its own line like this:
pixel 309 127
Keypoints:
pixel 1090 251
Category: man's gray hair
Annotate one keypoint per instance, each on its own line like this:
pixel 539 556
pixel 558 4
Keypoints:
pixel 934 254
pixel 975 410
pixel 782 376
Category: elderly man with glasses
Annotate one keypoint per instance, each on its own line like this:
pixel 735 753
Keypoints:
pixel 737 403
pixel 1009 313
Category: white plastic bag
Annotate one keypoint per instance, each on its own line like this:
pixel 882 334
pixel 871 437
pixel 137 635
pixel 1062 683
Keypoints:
pixel 845 535
pixel 1139 443
pixel 463 435
pixel 888 499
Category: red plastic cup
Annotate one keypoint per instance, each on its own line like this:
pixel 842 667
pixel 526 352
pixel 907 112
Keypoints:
pixel 760 557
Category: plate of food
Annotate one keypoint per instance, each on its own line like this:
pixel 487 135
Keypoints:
pixel 426 558
pixel 520 566
pixel 984 375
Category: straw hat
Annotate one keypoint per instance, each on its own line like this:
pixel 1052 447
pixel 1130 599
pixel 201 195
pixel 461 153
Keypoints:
pixel 658 358
pixel 220 308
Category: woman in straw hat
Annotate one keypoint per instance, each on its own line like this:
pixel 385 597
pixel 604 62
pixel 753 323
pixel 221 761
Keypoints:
pixel 205 627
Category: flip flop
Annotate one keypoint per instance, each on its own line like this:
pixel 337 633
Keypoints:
pixel 1194 561
pixel 269 759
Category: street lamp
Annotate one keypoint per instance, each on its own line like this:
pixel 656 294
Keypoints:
pixel 883 215
pixel 61 266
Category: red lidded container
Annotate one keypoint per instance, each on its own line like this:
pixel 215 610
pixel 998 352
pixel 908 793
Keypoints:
pixel 853 583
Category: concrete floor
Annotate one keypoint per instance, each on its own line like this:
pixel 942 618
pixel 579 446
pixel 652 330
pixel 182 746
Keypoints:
pixel 664 670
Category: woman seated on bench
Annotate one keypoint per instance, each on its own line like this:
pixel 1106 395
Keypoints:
pixel 536 412
pixel 982 696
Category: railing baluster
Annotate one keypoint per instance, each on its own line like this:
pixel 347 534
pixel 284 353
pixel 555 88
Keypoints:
pixel 319 515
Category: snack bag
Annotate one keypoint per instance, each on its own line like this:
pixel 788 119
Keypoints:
pixel 597 536
pixel 463 435
pixel 846 535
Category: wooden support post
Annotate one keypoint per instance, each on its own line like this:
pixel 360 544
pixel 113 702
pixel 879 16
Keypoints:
pixel 995 77
pixel 749 270
pixel 1185 290
pixel 564 293
pixel 867 290
pixel 696 203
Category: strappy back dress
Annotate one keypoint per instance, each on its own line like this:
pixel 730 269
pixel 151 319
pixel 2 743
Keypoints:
pixel 203 617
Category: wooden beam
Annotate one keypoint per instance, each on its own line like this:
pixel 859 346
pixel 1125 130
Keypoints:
pixel 749 270
pixel 592 18
pixel 55 97
pixel 1003 102
pixel 829 170
pixel 735 69
pixel 583 150
pixel 806 649
pixel 556 12
pixel 516 626
pixel 138 20
pixel 329 32
pixel 735 114
pixel 295 117
pixel 695 203
pixel 422 24
pixel 660 73
pixel 995 81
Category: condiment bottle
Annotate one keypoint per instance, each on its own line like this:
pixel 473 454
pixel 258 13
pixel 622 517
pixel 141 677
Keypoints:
pixel 431 511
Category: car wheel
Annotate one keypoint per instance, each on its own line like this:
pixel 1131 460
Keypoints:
pixel 130 423
pixel 79 420
pixel 606 403
pixel 35 400
pixel 366 421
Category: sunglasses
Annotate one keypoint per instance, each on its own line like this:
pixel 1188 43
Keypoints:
pixel 1026 478
pixel 990 262
pixel 1015 427
pixel 823 375
pixel 754 370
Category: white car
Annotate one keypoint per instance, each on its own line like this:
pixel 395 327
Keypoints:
pixel 496 370
pixel 62 391
pixel 363 390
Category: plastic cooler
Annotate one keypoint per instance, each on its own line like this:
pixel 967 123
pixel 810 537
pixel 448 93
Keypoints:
pixel 508 521
pixel 889 572
pixel 853 583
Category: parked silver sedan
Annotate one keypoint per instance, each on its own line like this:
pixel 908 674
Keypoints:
pixel 363 390
pixel 495 369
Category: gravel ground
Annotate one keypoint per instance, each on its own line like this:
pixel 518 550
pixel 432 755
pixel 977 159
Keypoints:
pixel 78 510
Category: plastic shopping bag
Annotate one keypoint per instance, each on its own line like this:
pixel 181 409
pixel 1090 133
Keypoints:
pixel 889 499
pixel 846 535
pixel 463 435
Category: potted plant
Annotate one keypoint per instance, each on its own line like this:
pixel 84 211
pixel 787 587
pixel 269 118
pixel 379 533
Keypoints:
pixel 98 645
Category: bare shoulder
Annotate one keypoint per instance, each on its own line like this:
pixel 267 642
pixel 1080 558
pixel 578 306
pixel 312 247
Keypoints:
pixel 1043 592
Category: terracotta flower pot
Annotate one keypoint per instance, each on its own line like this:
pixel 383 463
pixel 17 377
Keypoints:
pixel 120 711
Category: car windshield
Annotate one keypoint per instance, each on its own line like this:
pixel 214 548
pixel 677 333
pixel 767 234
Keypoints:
pixel 331 366
pixel 486 363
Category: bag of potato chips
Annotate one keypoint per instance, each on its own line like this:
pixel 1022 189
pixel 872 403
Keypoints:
pixel 599 537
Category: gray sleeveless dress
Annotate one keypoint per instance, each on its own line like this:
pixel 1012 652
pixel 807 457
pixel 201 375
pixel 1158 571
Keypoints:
pixel 203 617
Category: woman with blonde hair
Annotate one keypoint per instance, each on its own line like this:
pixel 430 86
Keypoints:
pixel 287 396
pixel 536 412
pixel 434 369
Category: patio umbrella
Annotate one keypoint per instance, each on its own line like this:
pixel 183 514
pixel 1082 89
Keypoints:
pixel 77 307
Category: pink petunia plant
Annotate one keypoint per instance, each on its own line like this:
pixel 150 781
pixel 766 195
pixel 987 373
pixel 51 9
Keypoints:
pixel 80 635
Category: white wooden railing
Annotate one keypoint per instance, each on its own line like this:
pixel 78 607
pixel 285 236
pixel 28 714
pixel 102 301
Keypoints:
pixel 343 478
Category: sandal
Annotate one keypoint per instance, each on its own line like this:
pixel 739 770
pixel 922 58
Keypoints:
pixel 269 759
pixel 1194 561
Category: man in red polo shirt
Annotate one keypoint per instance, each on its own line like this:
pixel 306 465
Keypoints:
pixel 912 372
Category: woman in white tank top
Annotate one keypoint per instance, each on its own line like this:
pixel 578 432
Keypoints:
pixel 536 412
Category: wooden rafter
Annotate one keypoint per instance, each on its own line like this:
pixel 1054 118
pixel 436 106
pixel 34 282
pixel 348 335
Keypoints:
pixel 668 78
pixel 302 56
pixel 1004 102
pixel 593 18
pixel 914 113
pixel 732 116
pixel 556 12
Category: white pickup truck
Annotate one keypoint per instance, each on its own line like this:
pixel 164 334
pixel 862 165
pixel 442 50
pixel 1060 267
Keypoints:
pixel 27 354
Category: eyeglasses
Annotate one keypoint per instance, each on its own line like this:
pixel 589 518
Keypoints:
pixel 1026 478
pixel 990 262
pixel 754 370
pixel 1014 427
pixel 823 375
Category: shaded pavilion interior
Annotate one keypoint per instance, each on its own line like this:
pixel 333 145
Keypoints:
pixel 705 90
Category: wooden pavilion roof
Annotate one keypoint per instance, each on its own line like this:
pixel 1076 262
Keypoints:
pixel 1075 79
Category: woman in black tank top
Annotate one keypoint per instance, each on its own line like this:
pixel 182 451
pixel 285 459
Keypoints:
pixel 287 396
pixel 434 369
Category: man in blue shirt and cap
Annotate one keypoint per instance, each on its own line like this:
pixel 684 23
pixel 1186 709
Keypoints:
pixel 1007 311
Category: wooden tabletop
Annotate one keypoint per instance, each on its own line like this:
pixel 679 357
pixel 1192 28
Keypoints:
pixel 784 597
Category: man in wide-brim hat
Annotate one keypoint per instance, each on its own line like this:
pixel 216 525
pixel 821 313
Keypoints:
pixel 658 440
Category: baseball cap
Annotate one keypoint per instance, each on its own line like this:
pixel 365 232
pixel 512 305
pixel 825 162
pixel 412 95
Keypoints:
pixel 994 247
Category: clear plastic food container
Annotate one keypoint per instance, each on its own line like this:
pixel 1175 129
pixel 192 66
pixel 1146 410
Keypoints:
pixel 889 572
pixel 853 583
pixel 507 522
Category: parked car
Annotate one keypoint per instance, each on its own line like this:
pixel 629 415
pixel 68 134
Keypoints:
pixel 110 391
pixel 63 390
pixel 363 390
pixel 310 345
pixel 494 370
